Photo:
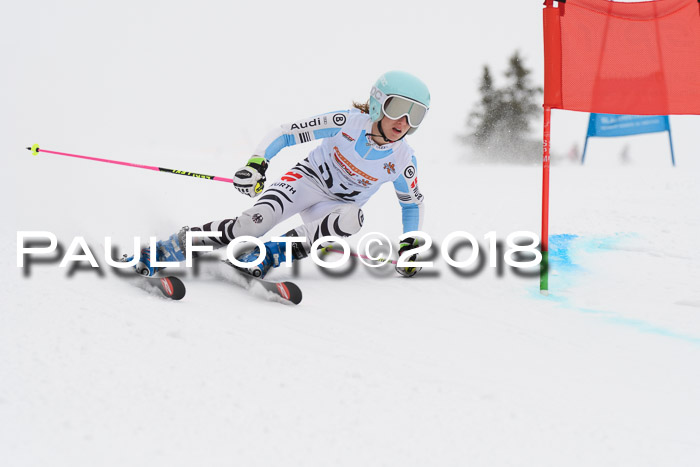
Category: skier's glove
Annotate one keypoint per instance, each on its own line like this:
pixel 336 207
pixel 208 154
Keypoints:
pixel 406 245
pixel 250 180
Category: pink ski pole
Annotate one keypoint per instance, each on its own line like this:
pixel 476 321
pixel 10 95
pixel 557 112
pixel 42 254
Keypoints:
pixel 36 150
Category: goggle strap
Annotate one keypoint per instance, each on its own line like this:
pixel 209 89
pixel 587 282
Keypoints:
pixel 378 94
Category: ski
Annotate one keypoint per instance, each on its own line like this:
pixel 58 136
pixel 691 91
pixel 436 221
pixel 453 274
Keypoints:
pixel 170 287
pixel 287 291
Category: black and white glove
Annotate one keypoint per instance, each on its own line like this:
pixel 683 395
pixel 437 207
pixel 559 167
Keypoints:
pixel 406 245
pixel 250 180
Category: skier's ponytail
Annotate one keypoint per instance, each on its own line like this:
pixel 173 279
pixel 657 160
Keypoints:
pixel 364 108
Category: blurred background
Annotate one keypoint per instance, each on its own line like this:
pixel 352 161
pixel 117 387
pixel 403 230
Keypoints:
pixel 211 78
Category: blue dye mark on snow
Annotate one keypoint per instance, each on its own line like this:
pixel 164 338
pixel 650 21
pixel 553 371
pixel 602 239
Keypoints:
pixel 563 270
pixel 559 249
pixel 560 254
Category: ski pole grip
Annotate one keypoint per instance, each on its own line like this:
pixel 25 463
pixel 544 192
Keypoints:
pixel 34 149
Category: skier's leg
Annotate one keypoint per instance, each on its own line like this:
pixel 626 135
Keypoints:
pixel 344 220
pixel 281 200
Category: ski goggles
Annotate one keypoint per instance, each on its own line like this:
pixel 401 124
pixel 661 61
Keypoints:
pixel 396 107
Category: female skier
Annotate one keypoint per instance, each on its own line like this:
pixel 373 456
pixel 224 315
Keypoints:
pixel 360 151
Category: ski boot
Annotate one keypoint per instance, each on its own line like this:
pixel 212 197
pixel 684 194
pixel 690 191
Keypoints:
pixel 274 256
pixel 172 249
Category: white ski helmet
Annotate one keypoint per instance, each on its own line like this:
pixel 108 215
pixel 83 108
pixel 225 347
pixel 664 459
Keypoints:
pixel 397 94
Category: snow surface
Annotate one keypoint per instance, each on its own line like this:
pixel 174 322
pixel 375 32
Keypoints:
pixel 371 369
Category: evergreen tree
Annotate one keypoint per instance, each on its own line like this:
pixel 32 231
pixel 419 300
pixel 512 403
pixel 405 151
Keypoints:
pixel 501 120
pixel 485 117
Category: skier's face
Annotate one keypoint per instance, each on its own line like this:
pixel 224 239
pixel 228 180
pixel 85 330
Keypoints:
pixel 395 129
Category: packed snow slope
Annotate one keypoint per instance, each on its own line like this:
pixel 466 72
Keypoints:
pixel 370 369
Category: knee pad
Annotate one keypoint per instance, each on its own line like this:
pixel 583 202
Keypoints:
pixel 343 221
pixel 256 221
pixel 346 220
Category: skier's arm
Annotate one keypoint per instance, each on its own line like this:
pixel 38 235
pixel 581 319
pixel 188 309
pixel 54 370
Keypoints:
pixel 410 197
pixel 411 201
pixel 250 180
pixel 301 131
